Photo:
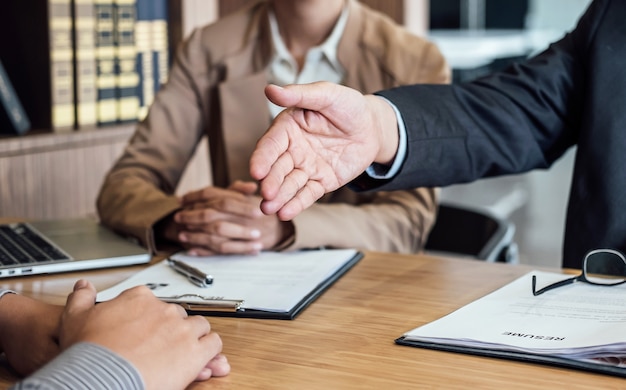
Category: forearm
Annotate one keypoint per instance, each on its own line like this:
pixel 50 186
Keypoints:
pixel 84 366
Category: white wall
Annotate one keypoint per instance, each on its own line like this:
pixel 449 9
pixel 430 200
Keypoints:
pixel 555 14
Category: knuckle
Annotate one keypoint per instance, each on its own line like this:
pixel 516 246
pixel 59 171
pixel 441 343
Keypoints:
pixel 221 228
pixel 207 214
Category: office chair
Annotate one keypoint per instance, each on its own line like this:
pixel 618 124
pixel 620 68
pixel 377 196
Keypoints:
pixel 478 234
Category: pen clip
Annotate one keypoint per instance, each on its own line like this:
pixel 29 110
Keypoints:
pixel 197 281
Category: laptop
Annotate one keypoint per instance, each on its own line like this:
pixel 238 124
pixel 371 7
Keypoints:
pixel 54 246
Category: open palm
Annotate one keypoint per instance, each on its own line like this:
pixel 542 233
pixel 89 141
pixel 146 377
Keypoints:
pixel 324 140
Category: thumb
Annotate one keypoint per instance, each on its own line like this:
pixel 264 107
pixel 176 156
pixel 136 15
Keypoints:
pixel 313 96
pixel 245 187
pixel 78 302
pixel 82 298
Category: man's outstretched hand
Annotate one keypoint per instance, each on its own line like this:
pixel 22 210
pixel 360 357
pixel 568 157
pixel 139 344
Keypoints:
pixel 328 135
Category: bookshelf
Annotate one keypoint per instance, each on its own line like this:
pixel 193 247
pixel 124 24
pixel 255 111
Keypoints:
pixel 49 174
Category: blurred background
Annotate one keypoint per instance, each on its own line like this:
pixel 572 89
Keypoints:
pixel 476 36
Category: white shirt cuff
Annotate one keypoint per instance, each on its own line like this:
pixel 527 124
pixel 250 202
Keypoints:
pixel 379 171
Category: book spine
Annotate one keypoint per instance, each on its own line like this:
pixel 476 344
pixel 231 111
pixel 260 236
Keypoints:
pixel 105 63
pixel 14 117
pixel 145 67
pixel 85 63
pixel 127 78
pixel 160 45
pixel 61 64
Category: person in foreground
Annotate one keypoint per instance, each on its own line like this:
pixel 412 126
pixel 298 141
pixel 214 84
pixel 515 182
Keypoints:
pixel 134 341
pixel 523 118
pixel 215 89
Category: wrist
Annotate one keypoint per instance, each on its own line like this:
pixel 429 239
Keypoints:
pixel 287 236
pixel 387 126
pixel 166 229
pixel 5 314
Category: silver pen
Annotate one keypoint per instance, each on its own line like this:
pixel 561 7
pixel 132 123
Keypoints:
pixel 193 274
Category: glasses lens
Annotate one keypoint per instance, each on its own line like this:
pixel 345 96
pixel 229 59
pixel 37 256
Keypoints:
pixel 605 267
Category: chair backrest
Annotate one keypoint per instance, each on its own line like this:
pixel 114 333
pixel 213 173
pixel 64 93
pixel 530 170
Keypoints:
pixel 475 233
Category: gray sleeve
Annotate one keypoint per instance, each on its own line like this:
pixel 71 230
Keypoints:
pixel 3 292
pixel 84 366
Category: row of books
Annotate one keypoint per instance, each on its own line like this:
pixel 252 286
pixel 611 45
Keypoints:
pixel 73 64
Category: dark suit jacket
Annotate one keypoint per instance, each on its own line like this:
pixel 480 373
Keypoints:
pixel 528 116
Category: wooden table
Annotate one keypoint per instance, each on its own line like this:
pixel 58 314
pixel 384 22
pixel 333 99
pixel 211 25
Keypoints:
pixel 345 339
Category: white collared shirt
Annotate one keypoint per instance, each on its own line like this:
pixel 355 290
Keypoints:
pixel 320 63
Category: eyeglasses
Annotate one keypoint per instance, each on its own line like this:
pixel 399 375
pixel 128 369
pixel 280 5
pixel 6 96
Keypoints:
pixel 602 267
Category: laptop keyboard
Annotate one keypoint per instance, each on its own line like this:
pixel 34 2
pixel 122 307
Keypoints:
pixel 19 244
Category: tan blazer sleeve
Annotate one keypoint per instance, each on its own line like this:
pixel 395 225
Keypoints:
pixel 139 189
pixel 388 222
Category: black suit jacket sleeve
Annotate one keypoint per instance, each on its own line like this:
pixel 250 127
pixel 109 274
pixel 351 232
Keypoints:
pixel 513 121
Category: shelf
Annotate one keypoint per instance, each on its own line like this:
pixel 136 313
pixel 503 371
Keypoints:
pixel 43 142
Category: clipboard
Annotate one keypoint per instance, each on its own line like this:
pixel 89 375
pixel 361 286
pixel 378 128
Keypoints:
pixel 237 290
pixel 519 356
pixel 577 326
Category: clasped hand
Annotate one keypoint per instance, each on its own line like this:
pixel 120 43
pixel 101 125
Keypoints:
pixel 169 348
pixel 227 221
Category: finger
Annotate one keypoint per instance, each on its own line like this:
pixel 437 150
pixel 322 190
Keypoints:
pixel 293 184
pixel 191 251
pixel 269 148
pixel 230 247
pixel 181 310
pixel 305 198
pixel 206 194
pixel 82 298
pixel 281 96
pixel 241 247
pixel 247 207
pixel 199 325
pixel 211 345
pixel 313 96
pixel 321 96
pixel 218 232
pixel 245 187
pixel 200 216
pixel 197 195
pixel 274 179
pixel 204 374
pixel 222 208
pixel 219 365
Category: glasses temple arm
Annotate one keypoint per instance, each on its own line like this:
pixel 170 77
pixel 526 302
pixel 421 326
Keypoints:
pixel 551 286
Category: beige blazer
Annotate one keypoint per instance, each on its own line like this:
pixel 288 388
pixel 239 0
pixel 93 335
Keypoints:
pixel 215 88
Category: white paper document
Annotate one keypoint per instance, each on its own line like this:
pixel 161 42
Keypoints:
pixel 270 281
pixel 578 321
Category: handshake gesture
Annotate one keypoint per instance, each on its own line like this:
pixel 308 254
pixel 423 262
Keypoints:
pixel 327 137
